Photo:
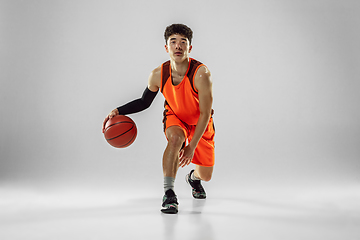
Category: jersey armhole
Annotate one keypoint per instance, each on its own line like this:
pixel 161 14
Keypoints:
pixel 193 79
pixel 165 74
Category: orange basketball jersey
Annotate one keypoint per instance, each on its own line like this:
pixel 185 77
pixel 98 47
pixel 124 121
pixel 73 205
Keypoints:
pixel 182 99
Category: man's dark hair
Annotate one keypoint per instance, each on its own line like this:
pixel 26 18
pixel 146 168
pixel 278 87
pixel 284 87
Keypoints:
pixel 180 29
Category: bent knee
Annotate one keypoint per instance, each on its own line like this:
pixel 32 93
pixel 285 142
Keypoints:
pixel 175 136
pixel 204 173
pixel 175 140
pixel 205 177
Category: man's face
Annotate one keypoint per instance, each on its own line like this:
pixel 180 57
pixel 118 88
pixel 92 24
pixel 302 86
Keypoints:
pixel 178 47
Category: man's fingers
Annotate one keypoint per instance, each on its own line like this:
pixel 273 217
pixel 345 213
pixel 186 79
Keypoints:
pixel 182 164
pixel 181 154
pixel 104 123
pixel 184 161
pixel 181 161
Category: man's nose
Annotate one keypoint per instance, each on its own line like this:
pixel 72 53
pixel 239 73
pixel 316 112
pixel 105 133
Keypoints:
pixel 177 46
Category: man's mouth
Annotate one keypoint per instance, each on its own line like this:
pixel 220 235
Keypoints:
pixel 178 53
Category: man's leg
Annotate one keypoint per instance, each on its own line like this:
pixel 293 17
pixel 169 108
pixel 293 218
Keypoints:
pixel 194 179
pixel 176 138
pixel 203 173
pixel 204 155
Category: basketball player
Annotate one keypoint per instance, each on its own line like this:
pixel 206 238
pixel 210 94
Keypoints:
pixel 188 125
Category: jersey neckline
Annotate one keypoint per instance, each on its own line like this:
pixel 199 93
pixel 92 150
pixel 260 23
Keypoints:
pixel 180 83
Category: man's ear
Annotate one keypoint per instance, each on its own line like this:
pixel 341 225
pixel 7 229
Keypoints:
pixel 190 48
pixel 166 48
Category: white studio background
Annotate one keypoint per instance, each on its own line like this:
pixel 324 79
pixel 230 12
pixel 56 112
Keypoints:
pixel 286 90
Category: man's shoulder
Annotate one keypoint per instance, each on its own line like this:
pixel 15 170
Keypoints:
pixel 203 69
pixel 203 72
pixel 203 77
pixel 156 71
pixel 155 78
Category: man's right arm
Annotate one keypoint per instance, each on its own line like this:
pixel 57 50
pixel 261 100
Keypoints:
pixel 147 98
pixel 142 103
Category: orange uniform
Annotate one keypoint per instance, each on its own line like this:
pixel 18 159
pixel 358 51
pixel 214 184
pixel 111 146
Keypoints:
pixel 182 109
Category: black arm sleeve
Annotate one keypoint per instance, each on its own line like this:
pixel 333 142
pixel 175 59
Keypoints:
pixel 138 105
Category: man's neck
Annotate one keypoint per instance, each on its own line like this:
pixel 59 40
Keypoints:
pixel 179 68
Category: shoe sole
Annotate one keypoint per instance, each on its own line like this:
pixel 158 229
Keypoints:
pixel 201 197
pixel 170 210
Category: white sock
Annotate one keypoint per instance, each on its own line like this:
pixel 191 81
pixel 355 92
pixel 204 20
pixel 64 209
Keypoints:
pixel 169 183
pixel 192 176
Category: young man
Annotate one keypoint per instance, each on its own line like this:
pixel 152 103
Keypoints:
pixel 187 87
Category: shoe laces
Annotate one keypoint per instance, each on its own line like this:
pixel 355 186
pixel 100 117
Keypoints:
pixel 170 200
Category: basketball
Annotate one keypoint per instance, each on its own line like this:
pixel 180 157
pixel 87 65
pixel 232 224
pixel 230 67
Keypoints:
pixel 120 131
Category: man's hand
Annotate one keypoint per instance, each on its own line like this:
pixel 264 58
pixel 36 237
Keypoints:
pixel 109 116
pixel 186 155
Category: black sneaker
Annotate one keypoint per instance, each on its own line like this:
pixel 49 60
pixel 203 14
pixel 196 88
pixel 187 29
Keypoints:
pixel 170 204
pixel 198 191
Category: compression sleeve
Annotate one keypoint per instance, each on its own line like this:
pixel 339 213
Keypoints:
pixel 138 105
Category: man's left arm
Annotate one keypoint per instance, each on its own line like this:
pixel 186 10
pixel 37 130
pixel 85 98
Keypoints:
pixel 203 84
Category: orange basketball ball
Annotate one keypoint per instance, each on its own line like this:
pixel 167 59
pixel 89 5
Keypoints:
pixel 120 131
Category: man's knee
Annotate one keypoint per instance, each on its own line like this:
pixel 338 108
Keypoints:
pixel 175 136
pixel 175 140
pixel 206 177
pixel 205 174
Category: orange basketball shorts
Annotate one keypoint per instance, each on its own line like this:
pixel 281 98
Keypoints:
pixel 204 154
